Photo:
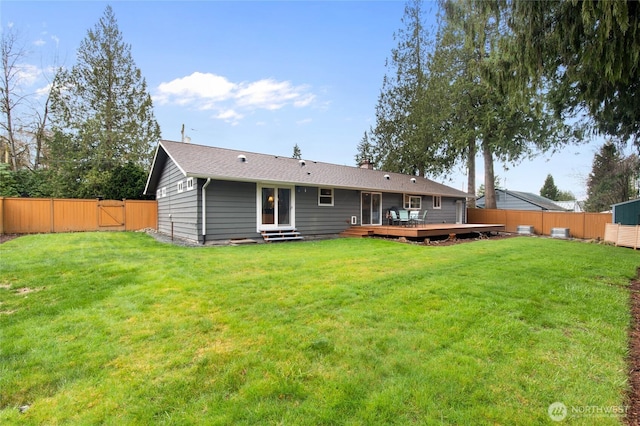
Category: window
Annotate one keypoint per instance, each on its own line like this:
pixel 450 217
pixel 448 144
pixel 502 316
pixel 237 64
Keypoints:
pixel 437 202
pixel 325 197
pixel 158 193
pixel 189 184
pixel 180 187
pixel 164 192
pixel 412 202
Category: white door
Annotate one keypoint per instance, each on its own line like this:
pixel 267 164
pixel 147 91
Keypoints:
pixel 275 207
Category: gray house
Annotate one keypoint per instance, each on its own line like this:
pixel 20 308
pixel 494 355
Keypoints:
pixel 516 200
pixel 206 193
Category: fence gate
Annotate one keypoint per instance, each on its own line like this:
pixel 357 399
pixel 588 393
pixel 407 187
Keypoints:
pixel 111 215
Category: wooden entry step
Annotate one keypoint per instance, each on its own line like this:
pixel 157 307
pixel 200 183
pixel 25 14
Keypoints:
pixel 357 232
pixel 281 235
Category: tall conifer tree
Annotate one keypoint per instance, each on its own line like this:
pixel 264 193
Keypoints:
pixel 103 111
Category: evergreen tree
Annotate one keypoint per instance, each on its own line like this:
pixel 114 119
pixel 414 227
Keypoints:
pixel 103 114
pixel 126 181
pixel 565 196
pixel 408 130
pixel 365 151
pixel 505 126
pixel 549 189
pixel 611 179
pixel 8 184
pixel 585 54
pixel 296 152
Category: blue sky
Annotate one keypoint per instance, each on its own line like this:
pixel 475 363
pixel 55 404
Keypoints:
pixel 261 76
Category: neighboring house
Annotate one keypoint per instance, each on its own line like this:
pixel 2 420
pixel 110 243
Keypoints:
pixel 627 213
pixel 206 193
pixel 516 200
pixel 571 206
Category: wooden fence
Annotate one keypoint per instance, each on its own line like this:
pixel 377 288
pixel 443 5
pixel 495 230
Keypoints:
pixel 622 235
pixel 46 215
pixel 581 225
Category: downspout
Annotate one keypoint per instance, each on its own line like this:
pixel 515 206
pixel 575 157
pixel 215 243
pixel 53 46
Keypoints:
pixel 204 210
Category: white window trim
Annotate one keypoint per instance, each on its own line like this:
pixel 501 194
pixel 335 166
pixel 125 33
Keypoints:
pixel 163 192
pixel 190 184
pixel 180 186
pixel 407 202
pixel 325 196
pixel 437 202
pixel 292 218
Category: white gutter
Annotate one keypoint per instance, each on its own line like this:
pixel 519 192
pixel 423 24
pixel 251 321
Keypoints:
pixel 204 210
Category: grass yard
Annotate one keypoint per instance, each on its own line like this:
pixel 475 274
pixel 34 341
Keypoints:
pixel 118 328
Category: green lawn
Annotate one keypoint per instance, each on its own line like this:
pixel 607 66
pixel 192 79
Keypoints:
pixel 117 328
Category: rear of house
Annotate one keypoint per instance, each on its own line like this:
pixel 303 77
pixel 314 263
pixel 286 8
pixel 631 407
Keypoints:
pixel 207 193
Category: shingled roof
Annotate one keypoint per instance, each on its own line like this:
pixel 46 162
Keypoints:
pixel 202 161
pixel 536 200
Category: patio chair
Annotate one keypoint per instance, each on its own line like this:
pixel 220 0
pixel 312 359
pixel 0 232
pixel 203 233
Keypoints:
pixel 404 217
pixel 394 217
pixel 415 217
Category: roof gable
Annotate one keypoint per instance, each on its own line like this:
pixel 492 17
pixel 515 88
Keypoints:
pixel 536 200
pixel 227 164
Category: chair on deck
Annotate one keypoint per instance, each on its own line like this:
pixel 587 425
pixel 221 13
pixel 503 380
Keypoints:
pixel 415 217
pixel 394 217
pixel 404 217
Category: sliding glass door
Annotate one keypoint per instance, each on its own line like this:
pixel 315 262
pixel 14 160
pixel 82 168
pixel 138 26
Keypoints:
pixel 276 207
pixel 371 208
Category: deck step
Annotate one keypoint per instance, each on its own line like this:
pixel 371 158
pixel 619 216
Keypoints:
pixel 282 235
pixel 356 232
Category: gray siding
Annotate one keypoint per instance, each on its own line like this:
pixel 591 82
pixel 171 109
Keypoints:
pixel 312 219
pixel 390 201
pixel 231 210
pixel 445 214
pixel 183 207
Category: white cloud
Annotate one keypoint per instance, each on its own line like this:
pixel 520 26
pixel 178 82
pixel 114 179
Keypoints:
pixel 199 88
pixel 304 101
pixel 268 94
pixel 230 116
pixel 39 42
pixel 44 91
pixel 206 91
pixel 28 74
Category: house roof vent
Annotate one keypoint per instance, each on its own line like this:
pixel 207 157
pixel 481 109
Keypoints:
pixel 387 177
pixel 302 163
pixel 413 180
pixel 242 158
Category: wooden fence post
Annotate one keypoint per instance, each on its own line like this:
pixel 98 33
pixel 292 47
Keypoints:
pixel 52 218
pixel 1 215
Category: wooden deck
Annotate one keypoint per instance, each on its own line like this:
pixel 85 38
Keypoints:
pixel 422 231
